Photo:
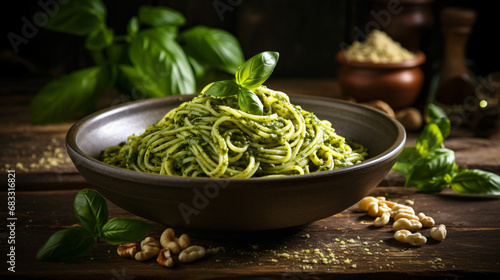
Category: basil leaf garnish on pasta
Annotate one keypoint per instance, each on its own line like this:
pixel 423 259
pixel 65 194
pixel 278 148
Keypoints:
pixel 255 71
pixel 251 75
pixel 221 88
pixel 249 102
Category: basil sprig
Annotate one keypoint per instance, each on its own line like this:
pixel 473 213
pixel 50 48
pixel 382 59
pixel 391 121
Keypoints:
pixel 252 74
pixel 91 210
pixel 431 167
pixel 153 58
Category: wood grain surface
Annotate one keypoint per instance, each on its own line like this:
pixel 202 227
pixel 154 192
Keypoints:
pixel 359 250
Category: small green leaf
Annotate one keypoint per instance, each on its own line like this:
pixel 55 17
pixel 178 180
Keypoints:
pixel 221 88
pixel 160 59
pixel 249 102
pixel 91 210
pixel 99 39
pixel 160 16
pixel 406 160
pixel 213 47
pixel 66 244
pixel 430 139
pixel 123 230
pixel 430 173
pixel 133 26
pixel 69 96
pixel 255 71
pixel 444 125
pixel 434 112
pixel 78 17
pixel 475 181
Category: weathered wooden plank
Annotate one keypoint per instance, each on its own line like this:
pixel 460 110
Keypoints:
pixel 359 249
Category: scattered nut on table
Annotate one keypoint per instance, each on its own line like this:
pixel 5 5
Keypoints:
pixel 416 239
pixel 165 258
pixel 191 254
pixel 128 250
pixel 401 235
pixel 382 220
pixel 149 249
pixel 184 241
pixel 365 202
pixel 167 240
pixel 439 233
pixel 410 118
pixel 426 221
pixel 382 106
pixel 164 250
pixel 405 222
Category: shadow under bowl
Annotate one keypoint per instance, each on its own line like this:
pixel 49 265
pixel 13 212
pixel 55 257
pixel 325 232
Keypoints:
pixel 398 84
pixel 256 204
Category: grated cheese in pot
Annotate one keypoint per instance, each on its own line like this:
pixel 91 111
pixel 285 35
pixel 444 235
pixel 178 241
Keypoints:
pixel 378 47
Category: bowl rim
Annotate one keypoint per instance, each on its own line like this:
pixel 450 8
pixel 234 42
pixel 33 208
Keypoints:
pixel 418 60
pixel 182 182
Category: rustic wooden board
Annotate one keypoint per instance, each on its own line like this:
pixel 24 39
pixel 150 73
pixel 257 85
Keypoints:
pixel 360 250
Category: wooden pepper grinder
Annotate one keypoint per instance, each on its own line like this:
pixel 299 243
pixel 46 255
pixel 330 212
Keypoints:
pixel 456 81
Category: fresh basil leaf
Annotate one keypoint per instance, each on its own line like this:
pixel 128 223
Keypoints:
pixel 66 244
pixel 161 60
pixel 430 139
pixel 124 230
pixel 406 160
pixel 78 17
pixel 91 210
pixel 444 125
pixel 69 96
pixel 136 85
pixel 475 181
pixel 432 172
pixel 99 39
pixel 199 69
pixel 133 26
pixel 249 102
pixel 170 31
pixel 222 88
pixel 434 112
pixel 160 16
pixel 255 71
pixel 214 47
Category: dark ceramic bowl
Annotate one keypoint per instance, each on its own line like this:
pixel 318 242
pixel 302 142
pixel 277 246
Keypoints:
pixel 234 204
pixel 398 84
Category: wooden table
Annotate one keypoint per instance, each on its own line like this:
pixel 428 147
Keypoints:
pixel 47 182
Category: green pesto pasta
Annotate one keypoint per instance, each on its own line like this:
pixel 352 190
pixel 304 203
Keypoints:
pixel 210 137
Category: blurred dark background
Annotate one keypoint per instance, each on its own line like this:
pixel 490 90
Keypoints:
pixel 307 34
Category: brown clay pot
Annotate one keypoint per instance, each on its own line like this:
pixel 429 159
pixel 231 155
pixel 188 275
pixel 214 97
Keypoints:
pixel 398 84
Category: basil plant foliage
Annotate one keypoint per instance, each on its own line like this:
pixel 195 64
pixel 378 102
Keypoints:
pixel 431 167
pixel 152 59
